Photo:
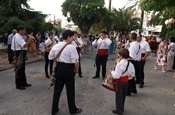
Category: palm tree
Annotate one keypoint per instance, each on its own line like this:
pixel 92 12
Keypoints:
pixel 110 2
pixel 125 21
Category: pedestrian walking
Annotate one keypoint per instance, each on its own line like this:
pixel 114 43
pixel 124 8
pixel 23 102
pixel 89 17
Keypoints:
pixel 162 55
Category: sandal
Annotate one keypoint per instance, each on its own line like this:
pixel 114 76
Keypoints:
pixel 77 111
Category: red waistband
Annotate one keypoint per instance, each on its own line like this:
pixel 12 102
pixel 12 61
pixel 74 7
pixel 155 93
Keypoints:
pixel 102 51
pixel 123 79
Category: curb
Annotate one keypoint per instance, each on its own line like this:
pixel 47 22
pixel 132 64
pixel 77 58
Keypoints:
pixel 10 67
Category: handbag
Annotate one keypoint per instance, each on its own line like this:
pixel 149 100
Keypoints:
pixel 110 83
pixel 53 78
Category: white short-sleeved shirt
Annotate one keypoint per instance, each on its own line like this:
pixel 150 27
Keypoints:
pixel 79 40
pixel 18 42
pixel 102 43
pixel 10 37
pixel 145 47
pixel 121 67
pixel 56 39
pixel 68 55
pixel 135 51
pixel 49 41
pixel 171 48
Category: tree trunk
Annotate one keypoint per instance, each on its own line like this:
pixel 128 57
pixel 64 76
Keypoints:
pixel 85 29
pixel 142 18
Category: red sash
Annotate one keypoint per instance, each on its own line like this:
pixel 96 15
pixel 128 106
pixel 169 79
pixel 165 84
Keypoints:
pixel 102 51
pixel 123 79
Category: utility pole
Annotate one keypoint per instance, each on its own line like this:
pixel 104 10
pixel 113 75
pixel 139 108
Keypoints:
pixel 110 2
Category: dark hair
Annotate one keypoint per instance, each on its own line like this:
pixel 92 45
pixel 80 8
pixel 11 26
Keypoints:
pixel 124 53
pixel 75 32
pixel 133 36
pixel 50 34
pixel 172 39
pixel 67 33
pixel 21 27
pixel 104 32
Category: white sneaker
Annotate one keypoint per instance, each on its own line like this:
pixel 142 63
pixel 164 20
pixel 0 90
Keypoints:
pixel 163 71
pixel 155 67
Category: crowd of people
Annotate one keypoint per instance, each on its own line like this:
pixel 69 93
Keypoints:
pixel 65 49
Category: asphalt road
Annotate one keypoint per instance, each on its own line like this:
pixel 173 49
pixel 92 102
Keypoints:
pixel 156 98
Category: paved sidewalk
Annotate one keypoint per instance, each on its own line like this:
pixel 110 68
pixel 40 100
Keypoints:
pixel 4 64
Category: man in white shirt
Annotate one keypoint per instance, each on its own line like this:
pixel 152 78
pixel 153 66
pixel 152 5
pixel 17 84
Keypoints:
pixel 56 37
pixel 102 44
pixel 145 50
pixel 135 56
pixel 78 44
pixel 67 65
pixel 18 46
pixel 49 43
pixel 9 42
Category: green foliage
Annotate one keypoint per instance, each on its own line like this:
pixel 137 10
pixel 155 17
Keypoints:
pixel 124 20
pixel 84 13
pixel 171 33
pixel 157 5
pixel 105 23
pixel 17 12
pixel 163 10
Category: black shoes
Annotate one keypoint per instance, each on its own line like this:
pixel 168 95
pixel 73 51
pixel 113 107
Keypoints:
pixel 27 85
pixel 95 77
pixel 20 88
pixel 134 92
pixel 53 113
pixel 140 86
pixel 80 76
pixel 117 112
pixel 47 76
pixel 77 111
pixel 23 86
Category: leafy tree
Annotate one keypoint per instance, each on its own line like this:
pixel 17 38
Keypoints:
pixel 157 5
pixel 83 13
pixel 162 10
pixel 124 21
pixel 15 12
pixel 105 23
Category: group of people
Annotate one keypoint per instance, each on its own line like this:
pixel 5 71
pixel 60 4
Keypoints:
pixel 66 54
pixel 166 55
pixel 129 69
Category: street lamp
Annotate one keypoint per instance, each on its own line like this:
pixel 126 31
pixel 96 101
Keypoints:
pixel 169 23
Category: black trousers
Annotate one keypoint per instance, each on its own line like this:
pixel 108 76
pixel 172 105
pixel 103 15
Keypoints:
pixel 141 65
pixel 173 64
pixel 47 62
pixel 79 69
pixel 101 60
pixel 10 54
pixel 121 95
pixel 64 76
pixel 20 78
pixel 132 82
